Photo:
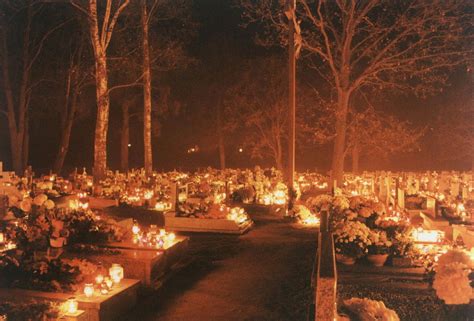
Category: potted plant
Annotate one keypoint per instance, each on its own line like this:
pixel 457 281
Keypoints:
pixel 379 248
pixel 351 241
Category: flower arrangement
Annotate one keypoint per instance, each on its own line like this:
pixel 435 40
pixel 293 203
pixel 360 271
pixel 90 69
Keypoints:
pixel 304 216
pixel 380 244
pixel 370 310
pixel 451 281
pixel 26 311
pixel 351 238
pixel 46 226
pixel 43 273
pixel 402 242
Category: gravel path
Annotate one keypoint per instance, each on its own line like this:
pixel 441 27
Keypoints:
pixel 262 275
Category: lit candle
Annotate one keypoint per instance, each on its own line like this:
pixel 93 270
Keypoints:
pixel 2 238
pixel 171 237
pixel 160 206
pixel 99 279
pixel 135 229
pixel 108 282
pixel 104 289
pixel 116 273
pixel 71 306
pixel 89 290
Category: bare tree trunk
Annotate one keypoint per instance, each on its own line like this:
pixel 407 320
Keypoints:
pixel 279 154
pixel 124 137
pixel 220 138
pixel 26 144
pixel 221 152
pixel 100 42
pixel 148 157
pixel 63 148
pixel 355 158
pixel 66 130
pixel 102 122
pixel 339 142
pixel 17 117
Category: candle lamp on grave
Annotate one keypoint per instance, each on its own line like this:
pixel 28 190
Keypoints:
pixel 135 232
pixel 88 290
pixel 116 273
pixel 108 282
pixel 70 306
pixel 104 289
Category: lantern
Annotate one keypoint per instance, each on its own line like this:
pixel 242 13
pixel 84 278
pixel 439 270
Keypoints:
pixel 108 282
pixel 71 306
pixel 104 289
pixel 171 237
pixel 116 273
pixel 89 290
pixel 160 206
pixel 99 279
pixel 135 228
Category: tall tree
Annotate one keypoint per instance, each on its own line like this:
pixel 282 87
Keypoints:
pixel 379 135
pixel 101 27
pixel 148 154
pixel 364 45
pixel 260 100
pixel 77 76
pixel 17 68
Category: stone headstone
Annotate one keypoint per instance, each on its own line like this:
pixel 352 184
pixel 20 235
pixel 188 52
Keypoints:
pixel 401 198
pixel 455 188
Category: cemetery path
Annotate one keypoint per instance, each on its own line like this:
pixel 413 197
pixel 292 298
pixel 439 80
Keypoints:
pixel 262 275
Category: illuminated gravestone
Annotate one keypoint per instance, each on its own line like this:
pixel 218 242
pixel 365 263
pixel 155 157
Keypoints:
pixel 431 185
pixel 465 192
pixel 443 183
pixel 455 187
pixel 431 206
pixel 401 198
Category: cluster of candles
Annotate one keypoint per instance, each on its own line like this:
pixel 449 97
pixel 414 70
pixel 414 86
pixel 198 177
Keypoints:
pixel 311 221
pixel 104 283
pixel 237 214
pixel 396 216
pixel 162 206
pixel 153 238
pixel 80 203
pixel 421 235
pixel 278 197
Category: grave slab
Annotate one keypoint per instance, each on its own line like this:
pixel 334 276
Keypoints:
pixel 107 307
pixel 186 224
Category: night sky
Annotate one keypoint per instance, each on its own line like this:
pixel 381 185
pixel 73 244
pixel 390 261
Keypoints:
pixel 220 43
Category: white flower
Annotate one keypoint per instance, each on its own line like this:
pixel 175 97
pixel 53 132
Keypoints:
pixel 452 283
pixel 371 310
pixel 40 199
pixel 454 256
pixel 25 205
pixel 341 202
pixel 365 212
pixel 49 204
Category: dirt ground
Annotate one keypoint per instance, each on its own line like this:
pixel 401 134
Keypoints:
pixel 262 275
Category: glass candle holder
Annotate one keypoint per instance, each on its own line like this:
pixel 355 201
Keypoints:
pixel 89 290
pixel 116 273
pixel 71 306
